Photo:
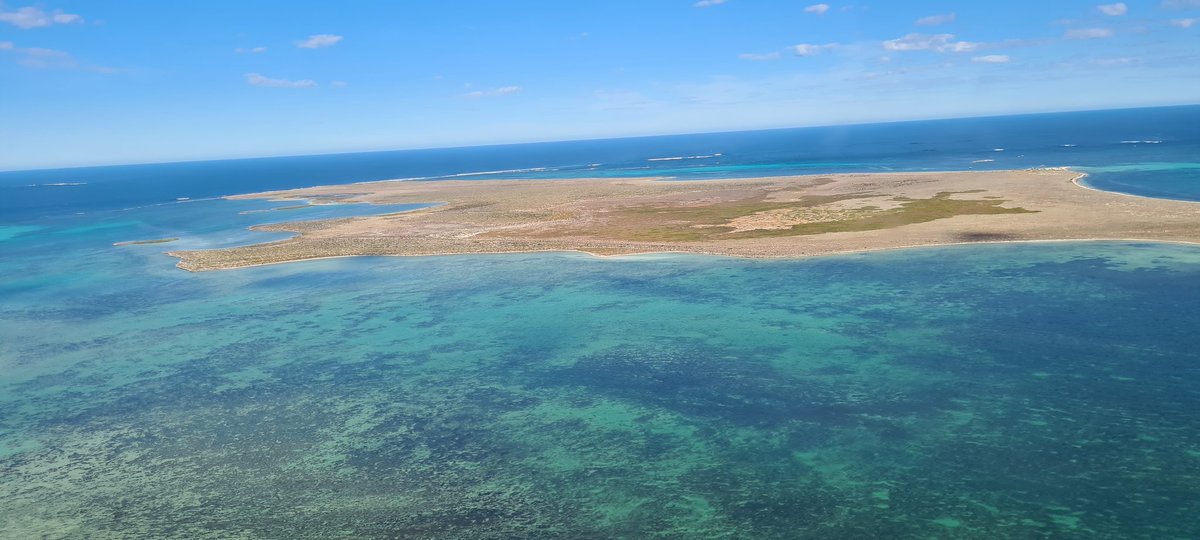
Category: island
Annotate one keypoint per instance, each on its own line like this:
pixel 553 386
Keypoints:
pixel 774 217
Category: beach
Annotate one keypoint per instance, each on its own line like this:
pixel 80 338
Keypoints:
pixel 772 217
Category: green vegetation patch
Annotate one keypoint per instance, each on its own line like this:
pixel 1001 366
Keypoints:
pixel 711 222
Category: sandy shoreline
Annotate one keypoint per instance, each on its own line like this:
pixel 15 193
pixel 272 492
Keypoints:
pixel 776 217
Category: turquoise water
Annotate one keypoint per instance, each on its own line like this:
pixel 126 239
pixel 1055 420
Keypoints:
pixel 987 391
pixel 982 391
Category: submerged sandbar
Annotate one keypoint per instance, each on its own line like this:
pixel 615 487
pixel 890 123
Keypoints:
pixel 793 216
pixel 143 242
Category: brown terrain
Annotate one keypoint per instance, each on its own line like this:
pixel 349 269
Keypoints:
pixel 760 217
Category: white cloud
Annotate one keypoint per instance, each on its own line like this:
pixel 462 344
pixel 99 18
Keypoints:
pixel 339 83
pixel 1113 10
pixel 255 79
pixel 808 49
pixel 66 18
pixel 758 57
pixel 502 91
pixel 254 50
pixel 934 20
pixel 708 3
pixel 925 42
pixel 7 46
pixel 1089 33
pixel 1180 4
pixel 33 17
pixel 819 9
pixel 317 41
pixel 1183 23
pixel 991 59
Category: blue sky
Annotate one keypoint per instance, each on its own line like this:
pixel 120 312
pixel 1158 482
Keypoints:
pixel 97 82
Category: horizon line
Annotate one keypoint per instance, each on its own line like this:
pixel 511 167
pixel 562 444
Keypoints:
pixel 586 139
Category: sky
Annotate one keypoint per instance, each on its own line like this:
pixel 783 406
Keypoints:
pixel 90 82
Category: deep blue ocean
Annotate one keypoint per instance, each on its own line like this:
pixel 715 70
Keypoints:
pixel 1152 152
pixel 1042 390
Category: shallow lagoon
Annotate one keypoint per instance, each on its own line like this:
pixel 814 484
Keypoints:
pixel 975 391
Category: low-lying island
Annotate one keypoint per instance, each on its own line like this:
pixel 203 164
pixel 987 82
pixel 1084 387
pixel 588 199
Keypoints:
pixel 793 216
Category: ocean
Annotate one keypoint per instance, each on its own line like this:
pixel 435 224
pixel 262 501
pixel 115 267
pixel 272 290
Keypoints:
pixel 1001 390
pixel 1151 152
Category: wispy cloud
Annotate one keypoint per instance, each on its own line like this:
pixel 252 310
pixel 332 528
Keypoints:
pixel 1113 10
pixel 38 52
pixel 1089 33
pixel 1183 23
pixel 760 57
pixel 253 50
pixel 316 41
pixel 622 100
pixel 808 49
pixel 819 9
pixel 255 79
pixel 708 3
pixel 340 84
pixel 46 59
pixel 926 42
pixel 42 58
pixel 934 20
pixel 1180 4
pixel 33 17
pixel 502 91
pixel 802 49
pixel 991 59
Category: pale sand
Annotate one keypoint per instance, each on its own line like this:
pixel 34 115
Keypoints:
pixel 761 217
